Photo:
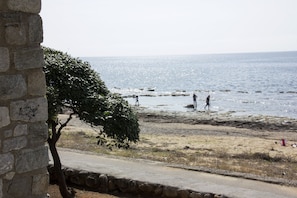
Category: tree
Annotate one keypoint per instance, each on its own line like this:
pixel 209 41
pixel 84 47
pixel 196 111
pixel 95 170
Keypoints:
pixel 72 84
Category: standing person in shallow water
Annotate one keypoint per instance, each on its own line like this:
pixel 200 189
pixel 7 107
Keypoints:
pixel 207 102
pixel 195 101
pixel 136 101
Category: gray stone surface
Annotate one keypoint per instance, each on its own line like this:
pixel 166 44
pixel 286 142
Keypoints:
pixel 39 184
pixel 23 155
pixel 31 6
pixel 4 116
pixel 20 129
pixel 183 193
pixel 169 191
pixel 9 176
pixel 1 187
pixel 15 34
pixel 35 29
pixel 15 143
pixel 20 187
pixel 12 87
pixel 4 59
pixel 7 133
pixel 32 110
pixel 6 163
pixel 29 59
pixel 38 133
pixel 36 83
pixel 31 159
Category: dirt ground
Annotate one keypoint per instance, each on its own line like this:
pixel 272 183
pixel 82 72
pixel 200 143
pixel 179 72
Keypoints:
pixel 54 192
pixel 242 145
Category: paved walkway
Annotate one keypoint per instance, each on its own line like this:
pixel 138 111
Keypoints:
pixel 157 172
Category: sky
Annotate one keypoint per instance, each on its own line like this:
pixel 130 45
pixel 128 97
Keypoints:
pixel 85 28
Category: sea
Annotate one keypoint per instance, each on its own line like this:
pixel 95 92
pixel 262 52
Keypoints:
pixel 239 84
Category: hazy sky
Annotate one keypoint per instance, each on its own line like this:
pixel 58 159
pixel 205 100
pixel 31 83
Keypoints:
pixel 164 27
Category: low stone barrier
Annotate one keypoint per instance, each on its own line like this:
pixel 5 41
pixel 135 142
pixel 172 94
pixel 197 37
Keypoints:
pixel 109 184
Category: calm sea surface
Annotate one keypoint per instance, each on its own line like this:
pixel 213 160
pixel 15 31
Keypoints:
pixel 244 84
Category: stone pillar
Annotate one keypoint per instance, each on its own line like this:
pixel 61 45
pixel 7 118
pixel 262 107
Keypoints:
pixel 23 105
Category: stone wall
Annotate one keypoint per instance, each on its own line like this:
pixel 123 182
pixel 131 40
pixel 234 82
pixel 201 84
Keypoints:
pixel 23 106
pixel 109 184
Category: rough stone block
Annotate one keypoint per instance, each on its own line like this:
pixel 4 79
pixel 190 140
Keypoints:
pixel 38 133
pixel 29 59
pixel 21 129
pixel 111 185
pixel 4 117
pixel 36 84
pixel 183 193
pixel 31 6
pixel 7 133
pixel 6 163
pixel 31 159
pixel 219 196
pixel 169 191
pixel 32 110
pixel 15 34
pixel 208 195
pixel 1 187
pixel 122 184
pixel 35 29
pixel 103 181
pixel 133 186
pixel 14 143
pixel 20 187
pixel 4 59
pixel 146 188
pixel 77 179
pixel 195 195
pixel 12 87
pixel 92 181
pixel 159 190
pixel 9 176
pixel 40 184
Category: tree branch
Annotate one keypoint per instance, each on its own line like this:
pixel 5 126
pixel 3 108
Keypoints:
pixel 64 125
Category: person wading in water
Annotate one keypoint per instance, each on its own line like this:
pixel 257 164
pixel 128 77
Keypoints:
pixel 207 102
pixel 194 101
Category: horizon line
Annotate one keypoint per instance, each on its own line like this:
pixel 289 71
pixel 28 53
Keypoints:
pixel 191 54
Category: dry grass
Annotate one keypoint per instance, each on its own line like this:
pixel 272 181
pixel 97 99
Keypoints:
pixel 230 150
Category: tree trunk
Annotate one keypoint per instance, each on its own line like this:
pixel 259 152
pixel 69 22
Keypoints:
pixel 57 163
pixel 59 173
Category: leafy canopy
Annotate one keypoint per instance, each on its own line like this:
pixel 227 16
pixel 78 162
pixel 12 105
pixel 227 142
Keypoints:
pixel 73 84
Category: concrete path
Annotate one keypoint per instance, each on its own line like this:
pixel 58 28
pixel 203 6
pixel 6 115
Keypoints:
pixel 157 172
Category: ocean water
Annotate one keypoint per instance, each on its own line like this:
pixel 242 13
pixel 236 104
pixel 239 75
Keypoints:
pixel 243 84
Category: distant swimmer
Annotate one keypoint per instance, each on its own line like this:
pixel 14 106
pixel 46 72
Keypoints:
pixel 195 101
pixel 207 102
pixel 136 101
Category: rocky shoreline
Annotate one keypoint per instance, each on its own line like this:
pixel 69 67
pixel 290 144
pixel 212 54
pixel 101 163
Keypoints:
pixel 257 122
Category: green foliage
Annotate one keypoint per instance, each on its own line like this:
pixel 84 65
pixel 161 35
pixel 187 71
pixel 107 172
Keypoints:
pixel 73 84
pixel 120 122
